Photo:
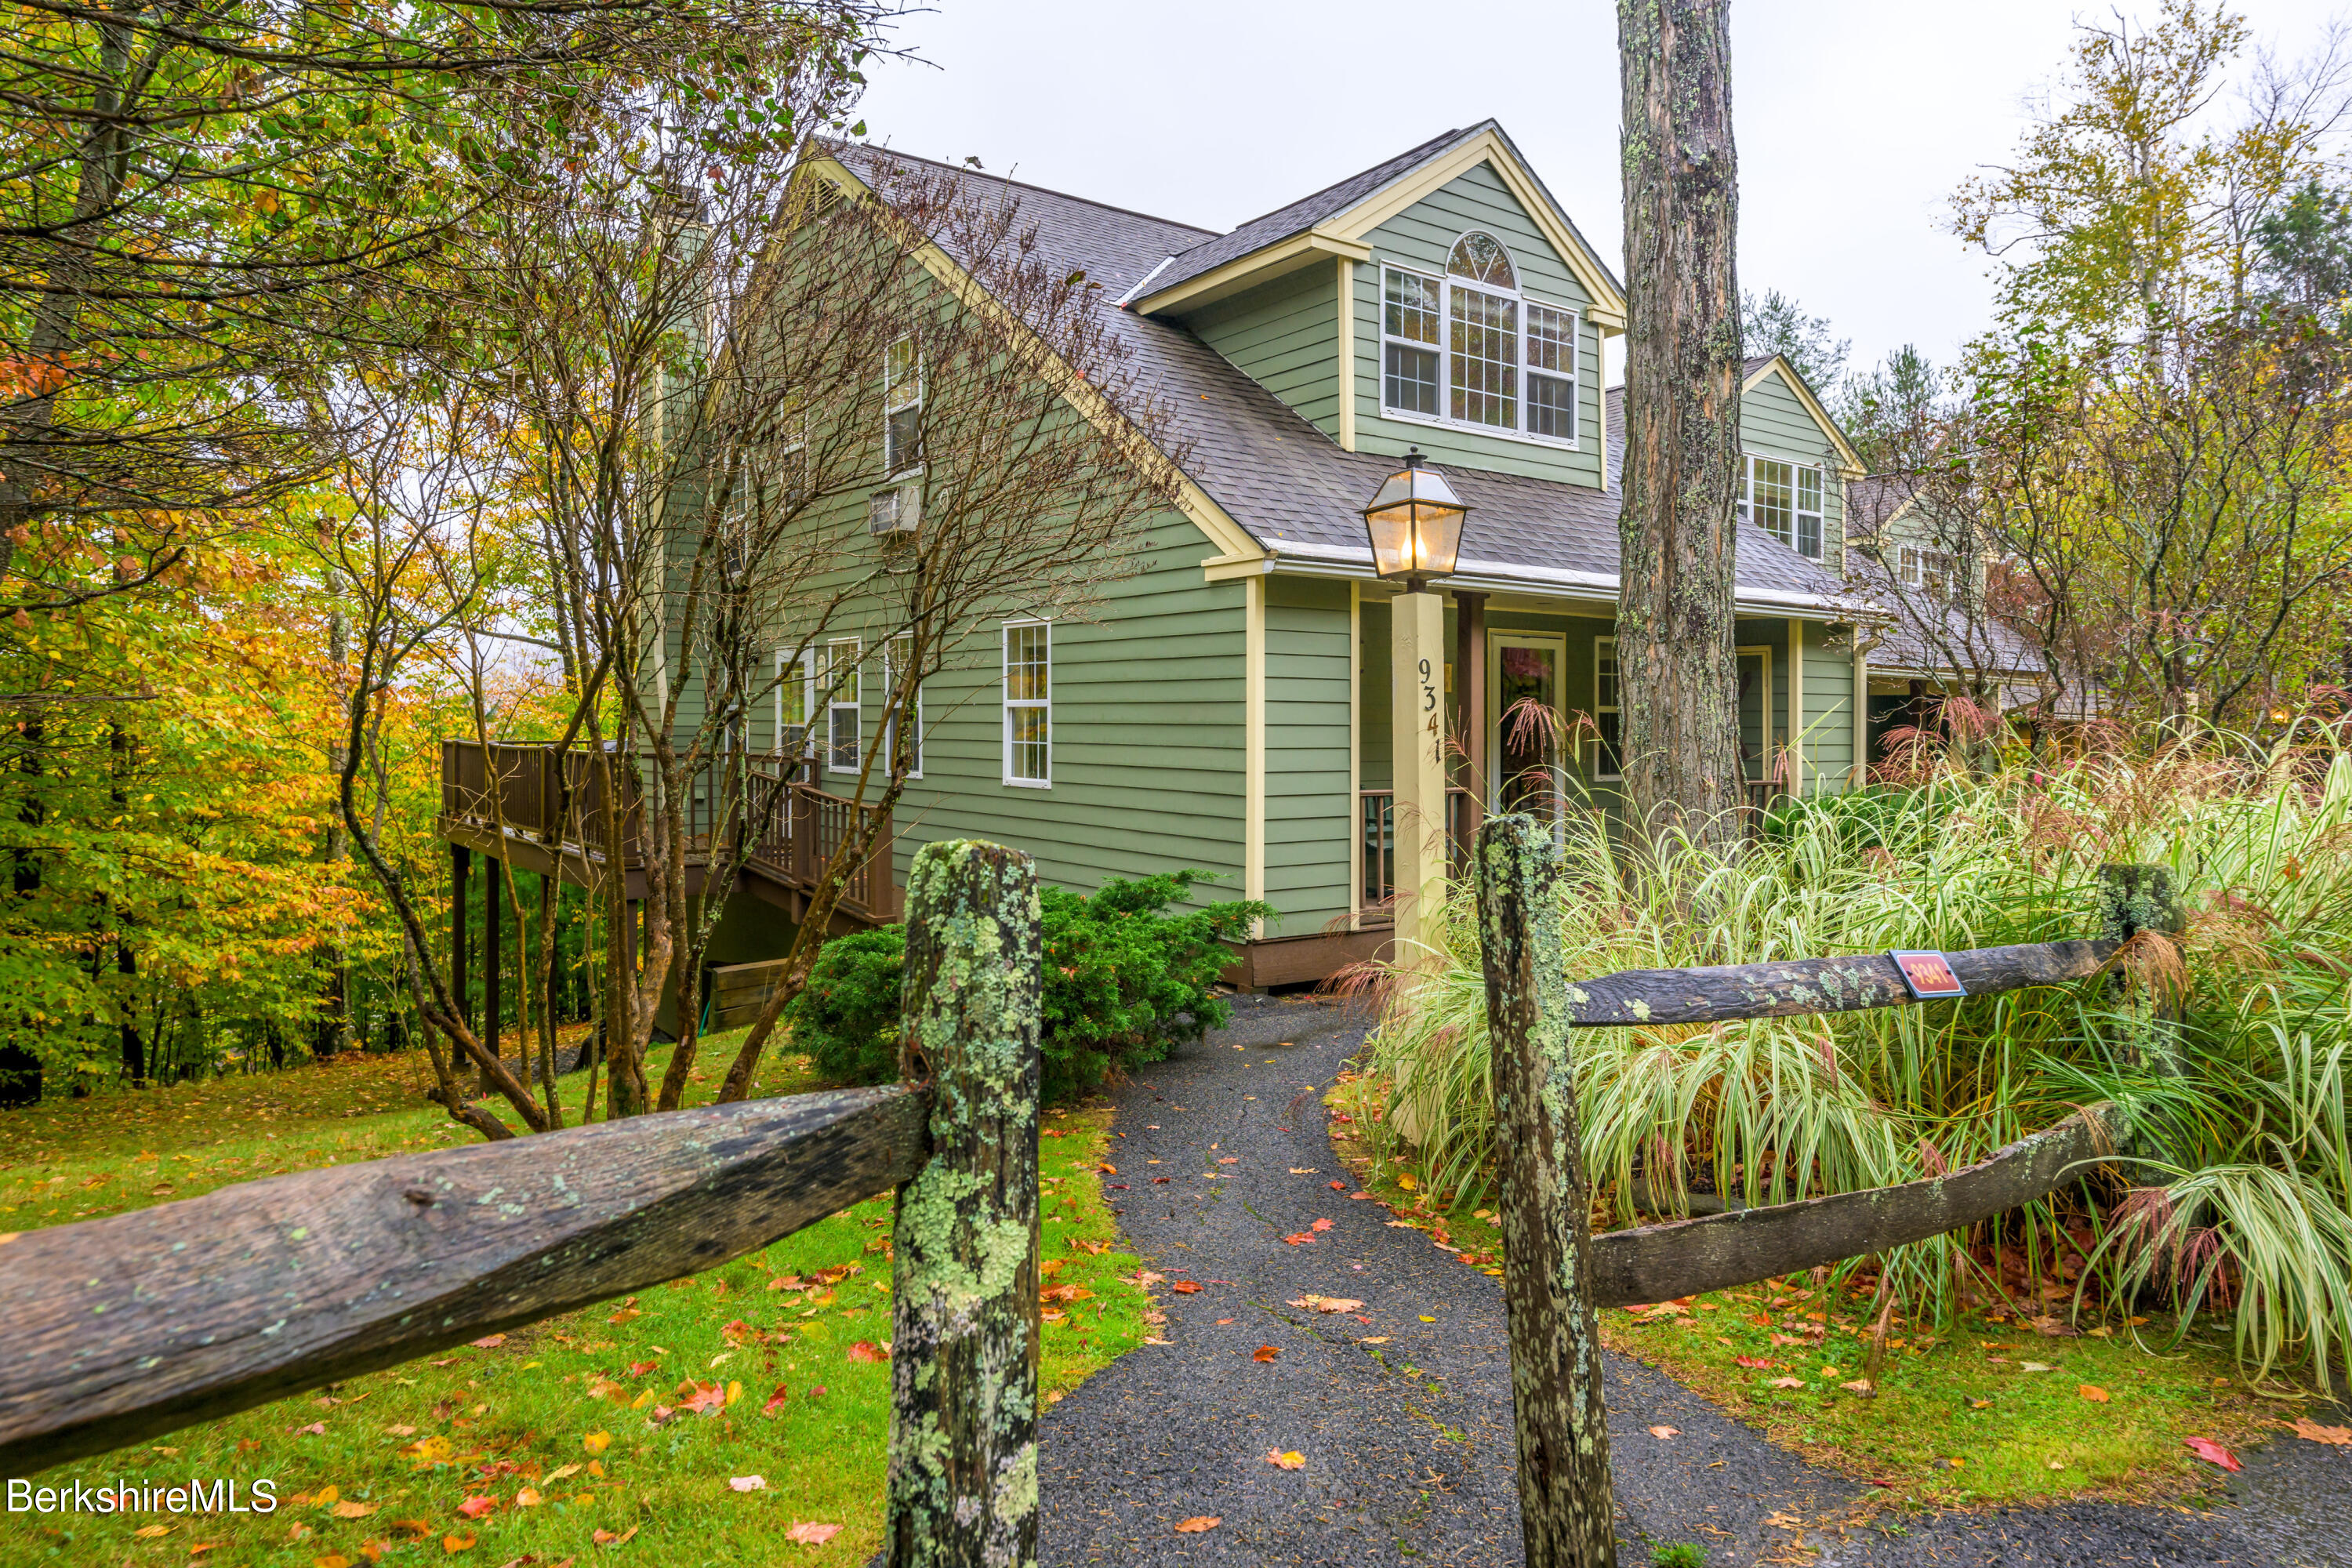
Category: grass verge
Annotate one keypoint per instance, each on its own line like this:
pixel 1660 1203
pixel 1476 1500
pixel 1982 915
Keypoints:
pixel 1993 1412
pixel 627 1429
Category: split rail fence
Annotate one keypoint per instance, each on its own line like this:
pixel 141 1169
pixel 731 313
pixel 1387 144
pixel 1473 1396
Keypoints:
pixel 133 1326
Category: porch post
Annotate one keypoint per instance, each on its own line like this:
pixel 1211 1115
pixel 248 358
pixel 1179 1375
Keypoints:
pixel 1470 685
pixel 1861 711
pixel 1797 708
pixel 1417 740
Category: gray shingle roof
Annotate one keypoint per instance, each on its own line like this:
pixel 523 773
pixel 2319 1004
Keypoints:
pixel 1290 485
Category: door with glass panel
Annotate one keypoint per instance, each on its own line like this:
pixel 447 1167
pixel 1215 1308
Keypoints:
pixel 1525 722
pixel 1755 717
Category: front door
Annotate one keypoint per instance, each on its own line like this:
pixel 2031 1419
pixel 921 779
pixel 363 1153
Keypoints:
pixel 1526 723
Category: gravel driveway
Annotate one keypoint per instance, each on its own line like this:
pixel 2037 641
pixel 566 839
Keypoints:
pixel 1407 1442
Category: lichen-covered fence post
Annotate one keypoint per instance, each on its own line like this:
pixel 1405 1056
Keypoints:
pixel 2133 900
pixel 964 1375
pixel 1564 1494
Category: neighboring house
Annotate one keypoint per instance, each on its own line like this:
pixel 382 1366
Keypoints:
pixel 1911 554
pixel 1228 705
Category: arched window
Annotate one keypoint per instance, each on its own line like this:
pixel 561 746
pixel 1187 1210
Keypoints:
pixel 1469 348
pixel 1482 258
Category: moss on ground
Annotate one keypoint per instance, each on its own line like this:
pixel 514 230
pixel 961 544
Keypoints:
pixel 579 1431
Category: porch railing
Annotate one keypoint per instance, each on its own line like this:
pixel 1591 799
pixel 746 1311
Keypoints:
pixel 1376 836
pixel 1376 842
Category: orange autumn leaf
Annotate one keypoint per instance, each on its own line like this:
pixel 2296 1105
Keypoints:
pixel 867 1350
pixel 1195 1525
pixel 1266 1353
pixel 1293 1460
pixel 453 1545
pixel 2091 1391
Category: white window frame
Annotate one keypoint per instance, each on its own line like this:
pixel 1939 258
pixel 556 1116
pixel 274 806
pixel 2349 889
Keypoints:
pixel 834 706
pixel 893 661
pixel 897 397
pixel 1606 646
pixel 1798 515
pixel 1012 704
pixel 807 680
pixel 1523 302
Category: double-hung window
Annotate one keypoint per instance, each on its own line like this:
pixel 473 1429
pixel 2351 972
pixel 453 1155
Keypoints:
pixel 1470 349
pixel 843 720
pixel 1028 704
pixel 897 656
pixel 1784 500
pixel 902 408
pixel 796 690
pixel 1608 719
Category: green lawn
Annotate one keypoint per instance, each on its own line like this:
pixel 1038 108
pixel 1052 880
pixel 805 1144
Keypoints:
pixel 1960 1418
pixel 625 1429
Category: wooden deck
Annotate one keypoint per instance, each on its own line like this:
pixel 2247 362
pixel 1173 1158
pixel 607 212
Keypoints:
pixel 552 813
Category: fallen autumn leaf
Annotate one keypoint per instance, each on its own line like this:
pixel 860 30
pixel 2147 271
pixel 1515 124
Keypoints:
pixel 1290 1461
pixel 1194 1526
pixel 812 1534
pixel 1266 1353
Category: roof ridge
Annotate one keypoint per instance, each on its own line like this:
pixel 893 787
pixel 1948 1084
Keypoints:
pixel 1344 179
pixel 970 172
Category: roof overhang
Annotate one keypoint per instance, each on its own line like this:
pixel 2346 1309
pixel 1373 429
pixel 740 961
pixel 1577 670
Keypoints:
pixel 1302 558
pixel 1347 234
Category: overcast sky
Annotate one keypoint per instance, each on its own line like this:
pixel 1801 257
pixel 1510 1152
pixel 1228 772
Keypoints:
pixel 1856 118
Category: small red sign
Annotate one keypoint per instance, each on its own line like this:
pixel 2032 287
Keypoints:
pixel 1928 974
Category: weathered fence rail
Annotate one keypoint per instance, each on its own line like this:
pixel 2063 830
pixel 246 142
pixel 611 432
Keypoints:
pixel 1556 1274
pixel 125 1327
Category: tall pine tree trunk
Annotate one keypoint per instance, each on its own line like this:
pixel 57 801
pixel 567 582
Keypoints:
pixel 1677 667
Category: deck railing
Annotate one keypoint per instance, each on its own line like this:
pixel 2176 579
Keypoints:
pixel 561 800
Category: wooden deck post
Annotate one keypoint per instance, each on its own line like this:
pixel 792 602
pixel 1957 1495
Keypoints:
pixel 1565 1509
pixel 963 1373
pixel 460 862
pixel 493 966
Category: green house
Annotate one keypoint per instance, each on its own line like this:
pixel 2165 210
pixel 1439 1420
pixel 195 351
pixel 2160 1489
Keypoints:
pixel 1228 705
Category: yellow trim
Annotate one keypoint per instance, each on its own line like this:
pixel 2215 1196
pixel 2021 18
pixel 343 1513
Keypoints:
pixel 1607 309
pixel 1797 706
pixel 1248 271
pixel 1347 354
pixel 1227 568
pixel 1228 536
pixel 1355 752
pixel 1254 738
pixel 1796 383
pixel 1858 774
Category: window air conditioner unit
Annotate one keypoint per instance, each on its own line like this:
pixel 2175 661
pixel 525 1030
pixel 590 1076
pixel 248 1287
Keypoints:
pixel 895 511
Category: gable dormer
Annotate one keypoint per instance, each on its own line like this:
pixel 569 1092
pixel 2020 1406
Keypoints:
pixel 1796 463
pixel 1440 300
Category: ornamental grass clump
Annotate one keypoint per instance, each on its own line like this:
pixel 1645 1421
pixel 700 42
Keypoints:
pixel 2232 1188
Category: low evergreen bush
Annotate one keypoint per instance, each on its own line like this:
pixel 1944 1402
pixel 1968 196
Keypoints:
pixel 1126 982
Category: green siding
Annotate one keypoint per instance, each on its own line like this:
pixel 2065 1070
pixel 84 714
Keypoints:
pixel 1374 769
pixel 1775 423
pixel 1284 335
pixel 1829 709
pixel 1148 735
pixel 1422 237
pixel 1307 812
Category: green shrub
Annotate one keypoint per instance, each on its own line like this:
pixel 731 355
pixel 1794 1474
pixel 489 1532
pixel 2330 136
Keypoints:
pixel 1681 1554
pixel 847 1017
pixel 1126 982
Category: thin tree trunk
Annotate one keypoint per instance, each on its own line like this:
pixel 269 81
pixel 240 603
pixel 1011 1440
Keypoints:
pixel 1676 663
